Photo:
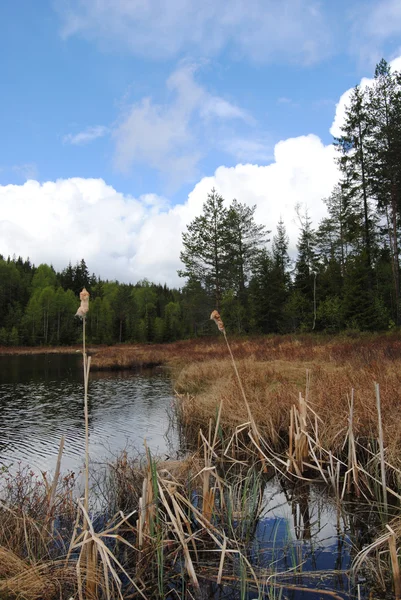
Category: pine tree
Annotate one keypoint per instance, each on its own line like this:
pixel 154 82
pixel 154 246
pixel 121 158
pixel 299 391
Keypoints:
pixel 306 268
pixel 206 255
pixel 306 263
pixel 281 258
pixel 280 277
pixel 262 306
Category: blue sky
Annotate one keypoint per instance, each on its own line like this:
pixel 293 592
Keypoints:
pixel 124 112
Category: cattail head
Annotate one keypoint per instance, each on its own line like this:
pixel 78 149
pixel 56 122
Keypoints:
pixel 84 306
pixel 215 316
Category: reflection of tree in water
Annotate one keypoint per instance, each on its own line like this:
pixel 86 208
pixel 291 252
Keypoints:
pixel 37 368
pixel 298 497
pixel 41 398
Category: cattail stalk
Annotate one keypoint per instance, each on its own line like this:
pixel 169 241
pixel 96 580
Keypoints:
pixel 82 312
pixel 215 316
pixel 381 448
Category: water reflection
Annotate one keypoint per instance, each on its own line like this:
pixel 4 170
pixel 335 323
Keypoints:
pixel 305 536
pixel 41 398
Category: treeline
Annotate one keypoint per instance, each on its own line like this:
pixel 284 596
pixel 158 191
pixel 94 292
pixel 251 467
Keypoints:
pixel 346 274
pixel 38 304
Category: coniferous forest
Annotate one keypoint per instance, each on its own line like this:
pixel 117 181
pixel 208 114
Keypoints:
pixel 346 275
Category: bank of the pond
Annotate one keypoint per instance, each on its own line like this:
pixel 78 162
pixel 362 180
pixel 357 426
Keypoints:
pixel 37 350
pixel 274 370
pixel 301 409
pixel 178 529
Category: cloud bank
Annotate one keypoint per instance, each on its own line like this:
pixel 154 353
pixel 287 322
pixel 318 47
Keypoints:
pixel 127 238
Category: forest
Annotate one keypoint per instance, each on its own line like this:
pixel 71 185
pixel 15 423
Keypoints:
pixel 346 275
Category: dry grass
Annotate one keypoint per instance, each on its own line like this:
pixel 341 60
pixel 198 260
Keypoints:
pixel 157 524
pixel 358 350
pixel 273 387
pixel 273 370
pixel 149 532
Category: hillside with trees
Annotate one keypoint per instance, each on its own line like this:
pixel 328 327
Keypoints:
pixel 346 275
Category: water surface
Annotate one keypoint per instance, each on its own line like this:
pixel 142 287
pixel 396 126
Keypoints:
pixel 41 399
pixel 300 533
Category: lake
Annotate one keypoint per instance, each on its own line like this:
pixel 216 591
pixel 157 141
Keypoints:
pixel 41 399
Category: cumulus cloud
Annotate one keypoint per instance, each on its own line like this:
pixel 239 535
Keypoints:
pixel 127 238
pixel 248 149
pixel 167 137
pixel 87 135
pixel 342 104
pixel 262 30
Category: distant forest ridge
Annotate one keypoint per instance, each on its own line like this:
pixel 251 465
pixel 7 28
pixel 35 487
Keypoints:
pixel 346 275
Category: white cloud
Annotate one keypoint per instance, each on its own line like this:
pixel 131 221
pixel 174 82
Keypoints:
pixel 128 238
pixel 342 104
pixel 262 30
pixel 248 149
pixel 88 135
pixel 375 24
pixel 167 137
pixel 218 107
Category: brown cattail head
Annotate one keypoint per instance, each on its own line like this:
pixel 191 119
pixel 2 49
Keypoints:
pixel 84 306
pixel 215 316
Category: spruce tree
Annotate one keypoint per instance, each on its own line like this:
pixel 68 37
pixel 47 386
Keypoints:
pixel 245 239
pixel 354 165
pixel 385 151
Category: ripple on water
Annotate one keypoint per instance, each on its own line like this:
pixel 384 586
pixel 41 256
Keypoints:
pixel 39 405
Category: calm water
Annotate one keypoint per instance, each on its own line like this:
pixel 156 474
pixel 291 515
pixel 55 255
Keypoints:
pixel 41 398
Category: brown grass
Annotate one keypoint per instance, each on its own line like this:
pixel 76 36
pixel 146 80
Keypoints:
pixel 273 388
pixel 275 372
pixel 359 350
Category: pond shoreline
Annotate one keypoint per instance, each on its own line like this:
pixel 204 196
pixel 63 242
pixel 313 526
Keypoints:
pixel 299 423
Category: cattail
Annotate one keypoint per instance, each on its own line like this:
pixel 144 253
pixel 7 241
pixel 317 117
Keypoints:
pixel 84 306
pixel 215 316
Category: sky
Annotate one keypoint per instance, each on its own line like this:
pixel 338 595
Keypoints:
pixel 119 116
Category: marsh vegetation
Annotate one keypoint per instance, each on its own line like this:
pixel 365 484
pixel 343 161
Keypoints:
pixel 296 419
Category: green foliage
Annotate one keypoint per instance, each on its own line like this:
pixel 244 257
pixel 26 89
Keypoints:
pixel 13 339
pixel 206 248
pixel 233 312
pixel 158 330
pixel 3 336
pixel 298 312
pixel 346 271
pixel 172 322
pixel 330 315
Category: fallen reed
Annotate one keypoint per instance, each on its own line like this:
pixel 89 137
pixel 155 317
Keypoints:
pixel 304 410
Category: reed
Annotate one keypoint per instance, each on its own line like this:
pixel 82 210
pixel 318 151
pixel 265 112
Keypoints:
pixel 250 420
